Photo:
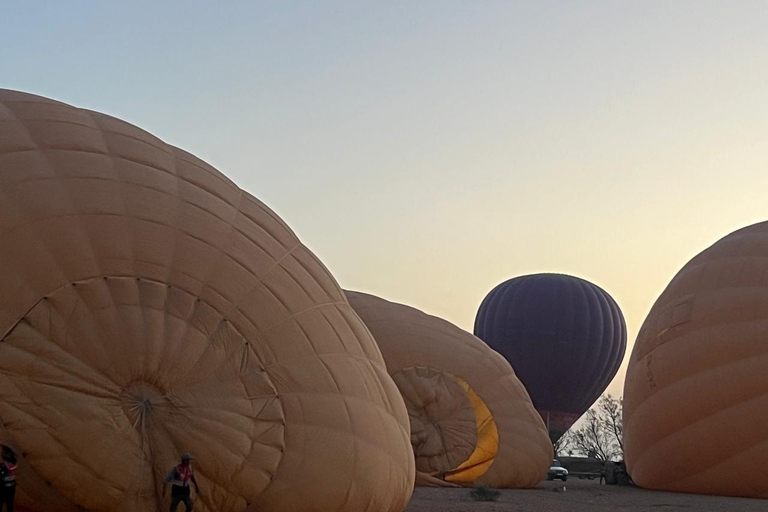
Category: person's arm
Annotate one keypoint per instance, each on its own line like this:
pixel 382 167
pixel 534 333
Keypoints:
pixel 197 489
pixel 167 480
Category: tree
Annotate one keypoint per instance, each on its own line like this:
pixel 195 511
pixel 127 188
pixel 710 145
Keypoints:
pixel 563 445
pixel 601 435
pixel 610 412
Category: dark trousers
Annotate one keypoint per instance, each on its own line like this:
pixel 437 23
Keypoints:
pixel 6 498
pixel 179 494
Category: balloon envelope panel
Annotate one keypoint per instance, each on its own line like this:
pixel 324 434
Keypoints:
pixel 471 419
pixel 150 307
pixel 564 336
pixel 696 393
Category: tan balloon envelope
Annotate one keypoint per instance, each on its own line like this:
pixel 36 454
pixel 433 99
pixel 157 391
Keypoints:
pixel 696 393
pixel 471 419
pixel 148 306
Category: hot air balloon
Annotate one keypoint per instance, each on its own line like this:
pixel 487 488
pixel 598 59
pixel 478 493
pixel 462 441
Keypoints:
pixel 564 336
pixel 150 307
pixel 472 421
pixel 696 392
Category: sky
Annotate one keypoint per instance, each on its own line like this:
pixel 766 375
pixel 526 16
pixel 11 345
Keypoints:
pixel 427 151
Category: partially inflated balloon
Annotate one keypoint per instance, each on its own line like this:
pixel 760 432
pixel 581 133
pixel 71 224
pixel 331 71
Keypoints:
pixel 149 307
pixel 564 336
pixel 471 419
pixel 696 393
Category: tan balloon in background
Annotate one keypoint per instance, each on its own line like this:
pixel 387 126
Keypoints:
pixel 471 419
pixel 148 306
pixel 696 392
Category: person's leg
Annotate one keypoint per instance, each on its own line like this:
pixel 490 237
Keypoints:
pixel 175 499
pixel 188 503
pixel 11 496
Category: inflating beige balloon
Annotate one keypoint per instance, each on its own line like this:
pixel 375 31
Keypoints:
pixel 696 392
pixel 149 307
pixel 471 419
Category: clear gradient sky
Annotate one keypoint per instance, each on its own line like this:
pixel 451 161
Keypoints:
pixel 427 151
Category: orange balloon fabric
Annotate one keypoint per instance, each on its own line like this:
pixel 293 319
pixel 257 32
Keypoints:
pixel 471 419
pixel 696 392
pixel 150 307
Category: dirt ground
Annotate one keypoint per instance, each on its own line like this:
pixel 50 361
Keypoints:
pixel 578 496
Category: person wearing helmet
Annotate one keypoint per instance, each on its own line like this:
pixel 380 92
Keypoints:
pixel 180 478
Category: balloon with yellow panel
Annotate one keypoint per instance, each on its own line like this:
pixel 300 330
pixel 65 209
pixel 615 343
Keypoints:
pixel 472 421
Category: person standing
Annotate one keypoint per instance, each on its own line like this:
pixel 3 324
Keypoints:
pixel 8 467
pixel 180 479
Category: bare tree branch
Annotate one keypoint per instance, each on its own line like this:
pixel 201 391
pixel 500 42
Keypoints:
pixel 562 445
pixel 601 435
pixel 610 412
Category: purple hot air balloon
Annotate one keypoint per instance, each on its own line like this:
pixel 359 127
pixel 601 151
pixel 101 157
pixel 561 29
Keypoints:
pixel 564 336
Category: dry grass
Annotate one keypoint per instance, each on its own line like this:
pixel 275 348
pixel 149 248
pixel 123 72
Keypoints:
pixel 484 493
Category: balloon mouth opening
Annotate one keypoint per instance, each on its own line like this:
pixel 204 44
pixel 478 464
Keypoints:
pixel 126 371
pixel 443 410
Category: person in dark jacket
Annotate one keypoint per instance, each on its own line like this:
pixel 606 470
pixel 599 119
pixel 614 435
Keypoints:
pixel 8 466
pixel 180 479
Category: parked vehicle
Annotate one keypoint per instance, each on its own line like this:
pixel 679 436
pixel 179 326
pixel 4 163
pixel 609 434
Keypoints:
pixel 556 470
